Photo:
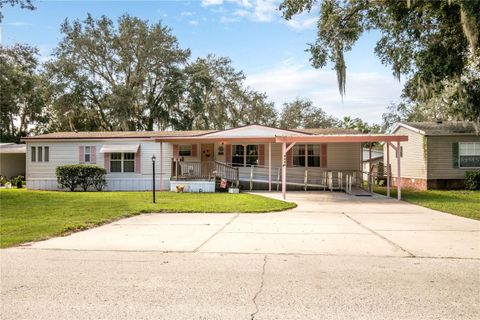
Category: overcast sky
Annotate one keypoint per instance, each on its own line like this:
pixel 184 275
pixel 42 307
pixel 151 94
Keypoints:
pixel 270 50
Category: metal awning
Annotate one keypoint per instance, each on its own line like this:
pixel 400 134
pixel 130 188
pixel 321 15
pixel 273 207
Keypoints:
pixel 114 148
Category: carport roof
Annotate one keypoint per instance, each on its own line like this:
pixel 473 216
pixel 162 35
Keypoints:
pixel 12 148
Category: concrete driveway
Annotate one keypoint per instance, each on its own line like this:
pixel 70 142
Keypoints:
pixel 323 223
pixel 333 257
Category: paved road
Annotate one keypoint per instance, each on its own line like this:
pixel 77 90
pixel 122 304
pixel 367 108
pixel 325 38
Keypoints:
pixel 333 257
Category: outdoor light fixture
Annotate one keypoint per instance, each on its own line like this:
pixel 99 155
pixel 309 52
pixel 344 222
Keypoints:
pixel 153 177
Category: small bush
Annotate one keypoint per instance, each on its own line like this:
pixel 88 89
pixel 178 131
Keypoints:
pixel 3 180
pixel 79 175
pixel 472 180
pixel 17 181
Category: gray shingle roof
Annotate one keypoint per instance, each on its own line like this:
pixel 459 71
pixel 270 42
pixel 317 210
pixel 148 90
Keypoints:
pixel 154 134
pixel 445 128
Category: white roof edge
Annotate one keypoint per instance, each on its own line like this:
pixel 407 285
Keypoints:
pixel 114 148
pixel 406 126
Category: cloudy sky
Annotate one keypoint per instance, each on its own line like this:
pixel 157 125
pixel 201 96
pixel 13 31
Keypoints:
pixel 270 50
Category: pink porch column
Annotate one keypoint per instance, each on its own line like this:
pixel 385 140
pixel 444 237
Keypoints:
pixel 161 165
pixel 388 169
pixel 399 176
pixel 270 167
pixel 284 169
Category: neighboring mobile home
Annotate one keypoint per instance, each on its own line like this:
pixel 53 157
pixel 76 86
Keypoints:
pixel 437 154
pixel 252 156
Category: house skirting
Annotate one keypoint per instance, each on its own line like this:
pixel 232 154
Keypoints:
pixel 113 184
pixel 430 184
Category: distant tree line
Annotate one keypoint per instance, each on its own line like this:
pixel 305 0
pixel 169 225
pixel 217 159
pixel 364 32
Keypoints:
pixel 132 75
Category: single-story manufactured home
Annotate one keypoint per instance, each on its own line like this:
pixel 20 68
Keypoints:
pixel 12 159
pixel 253 157
pixel 437 154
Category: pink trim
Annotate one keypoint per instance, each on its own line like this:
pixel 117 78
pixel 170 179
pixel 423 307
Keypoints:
pixel 228 153
pixel 343 138
pixel 138 161
pixel 194 150
pixel 261 154
pixel 290 158
pixel 93 154
pixel 81 155
pixel 323 156
pixel 106 162
pixel 176 151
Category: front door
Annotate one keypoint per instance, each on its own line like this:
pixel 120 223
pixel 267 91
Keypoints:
pixel 207 157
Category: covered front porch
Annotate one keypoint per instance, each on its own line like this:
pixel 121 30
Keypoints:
pixel 277 160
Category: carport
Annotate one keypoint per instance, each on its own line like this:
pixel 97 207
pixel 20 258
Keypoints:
pixel 392 140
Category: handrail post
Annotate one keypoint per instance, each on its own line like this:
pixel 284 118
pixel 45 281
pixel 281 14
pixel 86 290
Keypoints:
pixel 278 179
pixel 251 178
pixel 176 169
pixel 305 179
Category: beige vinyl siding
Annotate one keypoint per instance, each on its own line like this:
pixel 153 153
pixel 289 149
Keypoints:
pixel 440 157
pixel 340 156
pixel 413 163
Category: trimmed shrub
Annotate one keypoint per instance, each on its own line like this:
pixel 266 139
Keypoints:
pixel 80 175
pixel 472 180
pixel 17 181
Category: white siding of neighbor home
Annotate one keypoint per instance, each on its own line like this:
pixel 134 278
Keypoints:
pixel 41 175
pixel 440 157
pixel 413 163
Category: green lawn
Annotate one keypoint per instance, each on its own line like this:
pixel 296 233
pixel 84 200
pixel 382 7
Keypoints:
pixel 35 215
pixel 459 202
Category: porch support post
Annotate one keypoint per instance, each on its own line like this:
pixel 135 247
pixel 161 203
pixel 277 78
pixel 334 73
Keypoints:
pixel 388 169
pixel 370 180
pixel 399 176
pixel 269 167
pixel 284 169
pixel 161 166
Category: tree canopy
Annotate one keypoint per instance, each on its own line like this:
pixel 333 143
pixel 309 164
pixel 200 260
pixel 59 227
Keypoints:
pixel 434 44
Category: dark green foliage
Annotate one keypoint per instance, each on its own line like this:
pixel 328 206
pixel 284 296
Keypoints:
pixel 433 44
pixel 472 180
pixel 17 181
pixel 80 175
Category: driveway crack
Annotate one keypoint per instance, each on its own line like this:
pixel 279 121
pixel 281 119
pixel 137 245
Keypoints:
pixel 217 232
pixel 411 255
pixel 260 289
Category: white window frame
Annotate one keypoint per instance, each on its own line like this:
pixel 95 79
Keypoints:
pixel 39 154
pixel 122 162
pixel 187 146
pixel 306 156
pixel 476 152
pixel 245 155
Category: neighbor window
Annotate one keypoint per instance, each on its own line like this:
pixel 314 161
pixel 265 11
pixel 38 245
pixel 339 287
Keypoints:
pixel 243 155
pixel 469 154
pixel 185 150
pixel 87 154
pixel 306 155
pixel 122 162
pixel 40 154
